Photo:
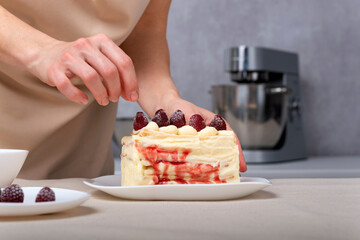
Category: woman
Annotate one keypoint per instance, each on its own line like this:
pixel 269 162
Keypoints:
pixel 62 72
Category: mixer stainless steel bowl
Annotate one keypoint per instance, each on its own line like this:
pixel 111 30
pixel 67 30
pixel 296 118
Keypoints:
pixel 256 112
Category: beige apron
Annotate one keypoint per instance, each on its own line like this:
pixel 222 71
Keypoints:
pixel 65 139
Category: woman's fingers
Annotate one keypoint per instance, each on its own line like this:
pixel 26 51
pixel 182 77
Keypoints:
pixel 243 166
pixel 65 86
pixel 103 67
pixel 208 116
pixel 108 72
pixel 124 65
pixel 91 79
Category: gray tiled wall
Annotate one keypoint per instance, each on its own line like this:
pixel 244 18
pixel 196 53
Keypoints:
pixel 325 33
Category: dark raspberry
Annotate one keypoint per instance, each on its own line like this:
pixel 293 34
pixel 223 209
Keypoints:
pixel 161 118
pixel 12 193
pixel 178 119
pixel 140 121
pixel 197 122
pixel 218 122
pixel 46 194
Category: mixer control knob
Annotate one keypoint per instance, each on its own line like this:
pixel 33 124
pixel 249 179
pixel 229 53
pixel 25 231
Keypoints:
pixel 295 105
pixel 294 108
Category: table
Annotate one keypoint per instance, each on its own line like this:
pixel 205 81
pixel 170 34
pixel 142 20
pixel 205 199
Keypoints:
pixel 289 209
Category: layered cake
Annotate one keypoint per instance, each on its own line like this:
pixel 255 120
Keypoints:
pixel 166 151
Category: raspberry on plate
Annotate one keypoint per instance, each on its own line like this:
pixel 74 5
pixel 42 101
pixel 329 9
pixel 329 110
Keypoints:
pixel 140 121
pixel 161 118
pixel 46 194
pixel 178 119
pixel 12 193
pixel 218 122
pixel 197 122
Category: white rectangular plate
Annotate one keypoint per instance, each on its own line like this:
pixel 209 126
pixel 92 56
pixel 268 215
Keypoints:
pixel 112 185
pixel 64 199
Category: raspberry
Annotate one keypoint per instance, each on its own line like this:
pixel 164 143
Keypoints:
pixel 178 119
pixel 161 118
pixel 46 194
pixel 140 121
pixel 197 122
pixel 218 122
pixel 12 193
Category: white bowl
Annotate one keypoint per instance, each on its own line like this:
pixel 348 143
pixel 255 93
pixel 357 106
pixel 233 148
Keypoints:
pixel 11 161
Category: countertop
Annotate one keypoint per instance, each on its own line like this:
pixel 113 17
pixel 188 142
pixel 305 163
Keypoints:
pixel 289 209
pixel 313 167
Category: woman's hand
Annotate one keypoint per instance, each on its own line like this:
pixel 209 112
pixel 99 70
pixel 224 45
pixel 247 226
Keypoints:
pixel 173 103
pixel 104 68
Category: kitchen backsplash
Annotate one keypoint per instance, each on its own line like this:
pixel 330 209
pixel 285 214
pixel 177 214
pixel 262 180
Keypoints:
pixel 325 33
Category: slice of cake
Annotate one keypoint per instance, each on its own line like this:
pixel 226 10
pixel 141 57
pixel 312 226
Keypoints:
pixel 167 151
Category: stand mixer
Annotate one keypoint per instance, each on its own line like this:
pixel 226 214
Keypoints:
pixel 263 103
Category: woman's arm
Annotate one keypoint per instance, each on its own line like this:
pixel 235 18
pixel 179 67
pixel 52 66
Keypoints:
pixel 19 43
pixel 55 62
pixel 147 46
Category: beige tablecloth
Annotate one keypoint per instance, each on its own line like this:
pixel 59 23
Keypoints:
pixel 290 209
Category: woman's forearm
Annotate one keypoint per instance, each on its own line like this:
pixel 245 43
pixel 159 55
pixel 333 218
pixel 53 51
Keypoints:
pixel 19 42
pixel 147 46
pixel 152 68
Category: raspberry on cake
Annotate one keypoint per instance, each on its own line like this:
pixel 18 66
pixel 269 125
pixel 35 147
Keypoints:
pixel 171 155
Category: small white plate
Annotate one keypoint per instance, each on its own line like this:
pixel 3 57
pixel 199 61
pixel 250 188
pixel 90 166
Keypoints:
pixel 112 185
pixel 64 199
